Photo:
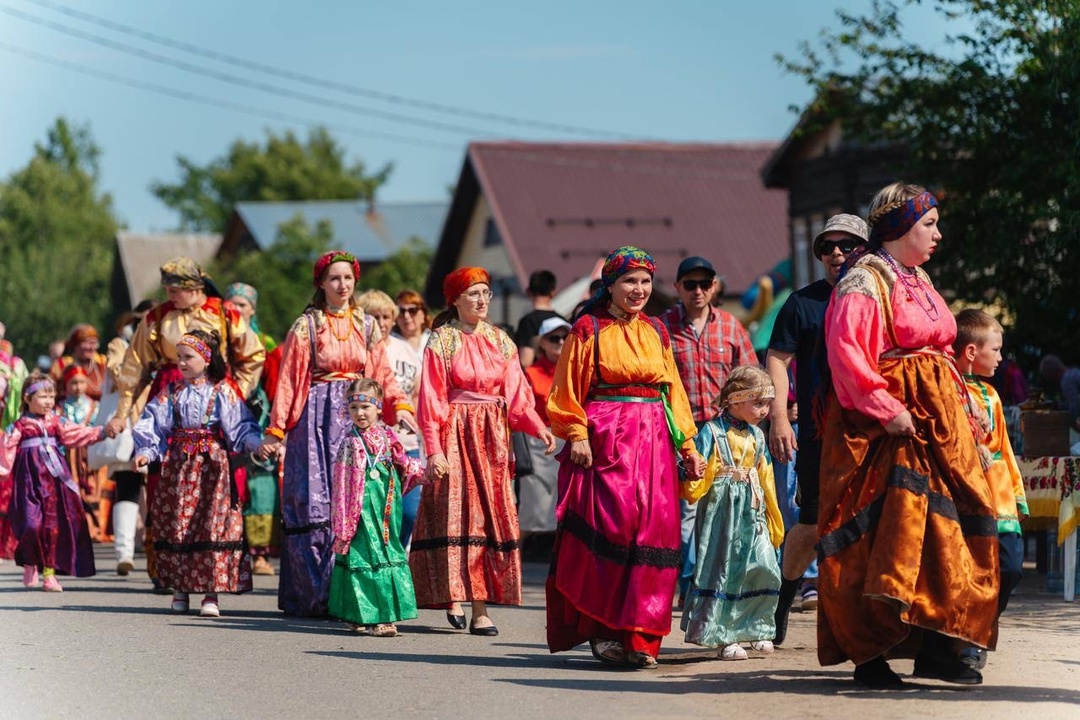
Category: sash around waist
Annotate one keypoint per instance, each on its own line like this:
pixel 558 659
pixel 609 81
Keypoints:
pixel 38 442
pixel 469 397
pixel 325 376
pixel 630 392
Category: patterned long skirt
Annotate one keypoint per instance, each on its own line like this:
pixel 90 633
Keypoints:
pixel 907 526
pixel 466 539
pixel 617 546
pixel 307 556
pixel 198 525
pixel 8 541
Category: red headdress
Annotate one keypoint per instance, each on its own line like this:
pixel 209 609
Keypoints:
pixel 72 371
pixel 461 280
pixel 327 259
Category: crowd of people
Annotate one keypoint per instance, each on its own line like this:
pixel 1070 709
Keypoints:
pixel 396 460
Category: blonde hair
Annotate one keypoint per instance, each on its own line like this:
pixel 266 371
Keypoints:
pixel 376 301
pixel 748 380
pixel 973 327
pixel 889 198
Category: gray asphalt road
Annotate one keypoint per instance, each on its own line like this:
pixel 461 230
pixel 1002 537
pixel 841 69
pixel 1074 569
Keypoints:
pixel 108 648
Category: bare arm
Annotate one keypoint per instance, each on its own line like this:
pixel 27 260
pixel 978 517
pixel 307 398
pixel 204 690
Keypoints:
pixel 782 441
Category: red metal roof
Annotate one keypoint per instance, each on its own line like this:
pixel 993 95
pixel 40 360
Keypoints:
pixel 559 206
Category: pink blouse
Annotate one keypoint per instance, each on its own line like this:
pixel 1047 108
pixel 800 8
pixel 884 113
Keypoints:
pixel 857 333
pixel 359 354
pixel 483 360
pixel 66 433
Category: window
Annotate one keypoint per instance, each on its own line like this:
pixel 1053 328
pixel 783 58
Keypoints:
pixel 492 238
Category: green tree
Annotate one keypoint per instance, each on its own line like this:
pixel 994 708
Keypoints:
pixel 407 268
pixel 280 273
pixel 57 232
pixel 991 119
pixel 285 169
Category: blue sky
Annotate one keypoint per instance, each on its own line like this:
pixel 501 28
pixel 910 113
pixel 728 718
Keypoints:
pixel 679 71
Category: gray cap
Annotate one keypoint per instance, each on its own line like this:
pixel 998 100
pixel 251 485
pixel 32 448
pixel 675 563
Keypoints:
pixel 853 225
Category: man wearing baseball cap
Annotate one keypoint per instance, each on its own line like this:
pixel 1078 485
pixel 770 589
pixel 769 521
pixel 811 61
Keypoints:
pixel 796 336
pixel 707 342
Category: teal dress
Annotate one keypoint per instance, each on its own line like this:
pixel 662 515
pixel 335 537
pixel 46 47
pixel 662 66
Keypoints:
pixel 371 582
pixel 737 577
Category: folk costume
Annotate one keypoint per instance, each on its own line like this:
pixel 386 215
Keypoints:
pixel 888 334
pixel 94 367
pixel 83 410
pixel 617 544
pixel 371 583
pixel 46 512
pixel 13 373
pixel 321 355
pixel 195 512
pixel 739 530
pixel 472 394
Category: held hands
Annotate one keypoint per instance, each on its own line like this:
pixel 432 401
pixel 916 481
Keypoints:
pixel 581 453
pixel 114 427
pixel 140 462
pixel 437 467
pixel 548 439
pixel 902 424
pixel 271 447
pixel 695 465
pixel 782 443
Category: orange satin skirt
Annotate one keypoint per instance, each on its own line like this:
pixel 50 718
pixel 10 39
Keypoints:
pixel 908 535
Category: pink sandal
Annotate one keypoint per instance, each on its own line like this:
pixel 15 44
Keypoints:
pixel 30 576
pixel 51 584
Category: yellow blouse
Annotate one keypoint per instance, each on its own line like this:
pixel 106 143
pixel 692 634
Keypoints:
pixel 630 352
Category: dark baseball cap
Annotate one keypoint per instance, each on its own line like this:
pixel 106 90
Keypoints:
pixel 694 262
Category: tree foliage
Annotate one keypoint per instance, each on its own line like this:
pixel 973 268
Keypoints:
pixel 285 169
pixel 991 119
pixel 281 273
pixel 57 232
pixel 406 269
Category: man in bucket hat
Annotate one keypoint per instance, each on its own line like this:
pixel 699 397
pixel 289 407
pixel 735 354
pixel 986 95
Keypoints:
pixel 795 336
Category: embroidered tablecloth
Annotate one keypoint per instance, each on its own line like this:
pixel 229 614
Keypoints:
pixel 1052 486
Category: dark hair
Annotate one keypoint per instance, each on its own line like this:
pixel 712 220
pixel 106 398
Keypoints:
pixel 542 283
pixel 144 307
pixel 365 386
pixel 444 317
pixel 215 369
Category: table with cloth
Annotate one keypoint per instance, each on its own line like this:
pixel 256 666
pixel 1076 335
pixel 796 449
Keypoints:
pixel 1052 486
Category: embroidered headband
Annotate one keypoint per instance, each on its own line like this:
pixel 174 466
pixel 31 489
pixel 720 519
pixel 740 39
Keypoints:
pixel 197 345
pixel 362 398
pixel 896 223
pixel 35 387
pixel 762 393
pixel 461 280
pixel 327 259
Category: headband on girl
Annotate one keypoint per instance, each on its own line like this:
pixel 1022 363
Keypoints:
pixel 362 398
pixel 762 393
pixel 328 259
pixel 461 280
pixel 896 223
pixel 73 371
pixel 197 345
pixel 35 387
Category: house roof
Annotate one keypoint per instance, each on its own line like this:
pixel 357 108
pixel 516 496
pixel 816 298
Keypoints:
pixel 370 236
pixel 560 206
pixel 141 256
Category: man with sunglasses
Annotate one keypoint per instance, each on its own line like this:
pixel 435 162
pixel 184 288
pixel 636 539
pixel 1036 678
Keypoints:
pixel 707 343
pixel 796 336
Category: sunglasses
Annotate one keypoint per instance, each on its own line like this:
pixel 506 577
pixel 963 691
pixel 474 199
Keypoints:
pixel 413 310
pixel 556 337
pixel 846 246
pixel 692 285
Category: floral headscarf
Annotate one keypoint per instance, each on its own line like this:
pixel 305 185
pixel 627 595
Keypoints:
pixel 184 273
pixel 621 261
pixel 896 223
pixel 328 259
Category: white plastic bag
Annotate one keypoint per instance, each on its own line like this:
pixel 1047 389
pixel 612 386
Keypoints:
pixel 111 452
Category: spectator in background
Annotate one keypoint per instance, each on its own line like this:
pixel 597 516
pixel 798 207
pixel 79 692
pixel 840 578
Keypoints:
pixel 708 343
pixel 541 289
pixel 1064 382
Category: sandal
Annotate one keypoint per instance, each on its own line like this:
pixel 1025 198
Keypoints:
pixel 360 629
pixel 642 660
pixel 385 630
pixel 608 651
pixel 762 646
pixel 734 651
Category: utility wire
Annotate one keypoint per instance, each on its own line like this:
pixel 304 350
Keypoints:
pixel 222 104
pixel 327 84
pixel 243 82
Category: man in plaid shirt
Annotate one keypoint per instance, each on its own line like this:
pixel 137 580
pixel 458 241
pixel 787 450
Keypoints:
pixel 707 343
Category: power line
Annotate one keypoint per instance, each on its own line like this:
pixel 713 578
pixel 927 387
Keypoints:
pixel 327 84
pixel 243 82
pixel 222 104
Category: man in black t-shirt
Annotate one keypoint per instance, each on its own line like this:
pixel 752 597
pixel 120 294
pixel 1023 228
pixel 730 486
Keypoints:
pixel 797 335
pixel 541 289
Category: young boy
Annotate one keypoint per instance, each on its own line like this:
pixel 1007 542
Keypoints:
pixel 978 353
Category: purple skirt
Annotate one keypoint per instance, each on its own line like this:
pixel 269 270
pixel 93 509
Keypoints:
pixel 307 556
pixel 47 519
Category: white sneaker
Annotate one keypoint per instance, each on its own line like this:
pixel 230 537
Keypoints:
pixel 734 651
pixel 762 646
pixel 209 608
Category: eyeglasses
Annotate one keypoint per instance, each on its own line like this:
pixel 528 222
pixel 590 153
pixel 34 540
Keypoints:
pixel 412 310
pixel 846 246
pixel 692 285
pixel 477 295
pixel 553 338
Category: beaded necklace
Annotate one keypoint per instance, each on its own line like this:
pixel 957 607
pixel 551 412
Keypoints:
pixel 330 320
pixel 931 308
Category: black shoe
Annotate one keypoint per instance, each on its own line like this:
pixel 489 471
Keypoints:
pixel 783 608
pixel 877 675
pixel 488 631
pixel 974 658
pixel 456 621
pixel 949 669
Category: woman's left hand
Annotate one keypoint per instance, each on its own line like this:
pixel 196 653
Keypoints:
pixel 548 439
pixel 406 418
pixel 695 465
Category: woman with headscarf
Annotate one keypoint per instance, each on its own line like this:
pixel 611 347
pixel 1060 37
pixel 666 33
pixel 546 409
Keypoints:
pixel 193 304
pixel 472 394
pixel 81 349
pixel 262 511
pixel 329 346
pixel 908 532
pixel 618 401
